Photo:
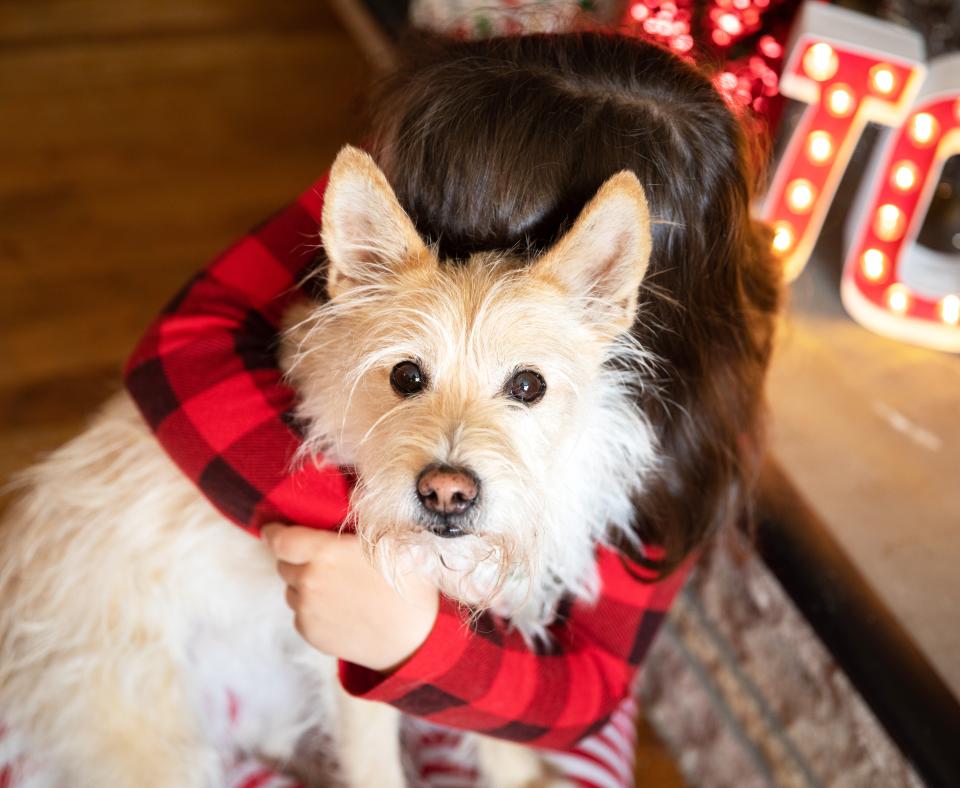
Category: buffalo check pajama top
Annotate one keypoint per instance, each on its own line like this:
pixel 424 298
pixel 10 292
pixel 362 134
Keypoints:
pixel 206 379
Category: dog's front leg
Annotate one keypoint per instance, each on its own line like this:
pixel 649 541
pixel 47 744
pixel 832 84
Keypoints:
pixel 370 754
pixel 504 764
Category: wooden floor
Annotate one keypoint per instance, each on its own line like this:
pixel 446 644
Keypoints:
pixel 139 138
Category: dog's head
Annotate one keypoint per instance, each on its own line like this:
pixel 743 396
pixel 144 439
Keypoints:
pixel 476 399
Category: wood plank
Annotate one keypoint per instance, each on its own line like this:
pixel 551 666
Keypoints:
pixel 129 161
pixel 655 767
pixel 154 157
pixel 45 22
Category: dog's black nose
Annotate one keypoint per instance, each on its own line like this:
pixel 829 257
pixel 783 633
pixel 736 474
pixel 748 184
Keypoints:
pixel 447 491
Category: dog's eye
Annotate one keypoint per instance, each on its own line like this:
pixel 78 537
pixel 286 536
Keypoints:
pixel 526 386
pixel 406 379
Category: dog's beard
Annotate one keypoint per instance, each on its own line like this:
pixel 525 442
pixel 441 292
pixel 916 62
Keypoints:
pixel 543 509
pixel 495 564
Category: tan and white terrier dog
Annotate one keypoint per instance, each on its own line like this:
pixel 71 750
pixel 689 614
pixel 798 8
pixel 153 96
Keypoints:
pixel 489 409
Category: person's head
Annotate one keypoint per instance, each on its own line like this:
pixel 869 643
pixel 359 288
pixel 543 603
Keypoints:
pixel 498 145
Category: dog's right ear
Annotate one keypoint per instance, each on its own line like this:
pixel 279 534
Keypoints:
pixel 603 257
pixel 365 231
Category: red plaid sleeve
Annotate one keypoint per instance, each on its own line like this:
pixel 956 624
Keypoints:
pixel 481 676
pixel 205 377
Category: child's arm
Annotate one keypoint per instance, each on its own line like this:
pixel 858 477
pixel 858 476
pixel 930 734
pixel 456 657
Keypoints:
pixel 477 675
pixel 206 380
pixel 484 678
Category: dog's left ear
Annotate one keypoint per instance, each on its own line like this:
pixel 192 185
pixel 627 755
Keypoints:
pixel 366 233
pixel 605 255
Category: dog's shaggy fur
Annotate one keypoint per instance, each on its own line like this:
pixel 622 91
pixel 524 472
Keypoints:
pixel 556 477
pixel 645 311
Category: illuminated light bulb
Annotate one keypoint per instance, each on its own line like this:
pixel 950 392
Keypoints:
pixel 771 47
pixel 721 38
pixel 898 299
pixel 800 195
pixel 819 147
pixel 883 80
pixel 873 263
pixel 923 128
pixel 821 62
pixel 889 222
pixel 840 101
pixel 727 81
pixel 783 238
pixel 905 176
pixel 731 24
pixel 639 12
pixel 950 309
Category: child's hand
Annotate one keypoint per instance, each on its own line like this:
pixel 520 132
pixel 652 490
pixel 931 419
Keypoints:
pixel 342 605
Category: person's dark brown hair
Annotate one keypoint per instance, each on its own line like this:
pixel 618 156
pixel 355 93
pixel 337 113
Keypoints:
pixel 498 144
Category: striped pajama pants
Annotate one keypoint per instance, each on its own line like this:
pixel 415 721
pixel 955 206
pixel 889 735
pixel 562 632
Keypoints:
pixel 604 760
pixel 438 759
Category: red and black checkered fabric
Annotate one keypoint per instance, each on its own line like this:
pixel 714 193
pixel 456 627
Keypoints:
pixel 206 379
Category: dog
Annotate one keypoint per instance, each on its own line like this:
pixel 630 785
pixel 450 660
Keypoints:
pixel 597 381
pixel 495 447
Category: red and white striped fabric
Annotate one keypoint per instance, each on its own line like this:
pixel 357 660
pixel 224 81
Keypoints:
pixel 439 759
pixel 606 759
pixel 251 773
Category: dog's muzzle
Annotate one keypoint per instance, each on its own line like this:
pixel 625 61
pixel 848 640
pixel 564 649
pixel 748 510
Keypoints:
pixel 448 494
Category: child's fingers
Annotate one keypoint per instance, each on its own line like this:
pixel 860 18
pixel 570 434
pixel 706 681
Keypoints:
pixel 292 598
pixel 294 543
pixel 291 574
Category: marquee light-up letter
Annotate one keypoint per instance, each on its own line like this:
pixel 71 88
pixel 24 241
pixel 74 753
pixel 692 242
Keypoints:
pixel 849 69
pixel 890 284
